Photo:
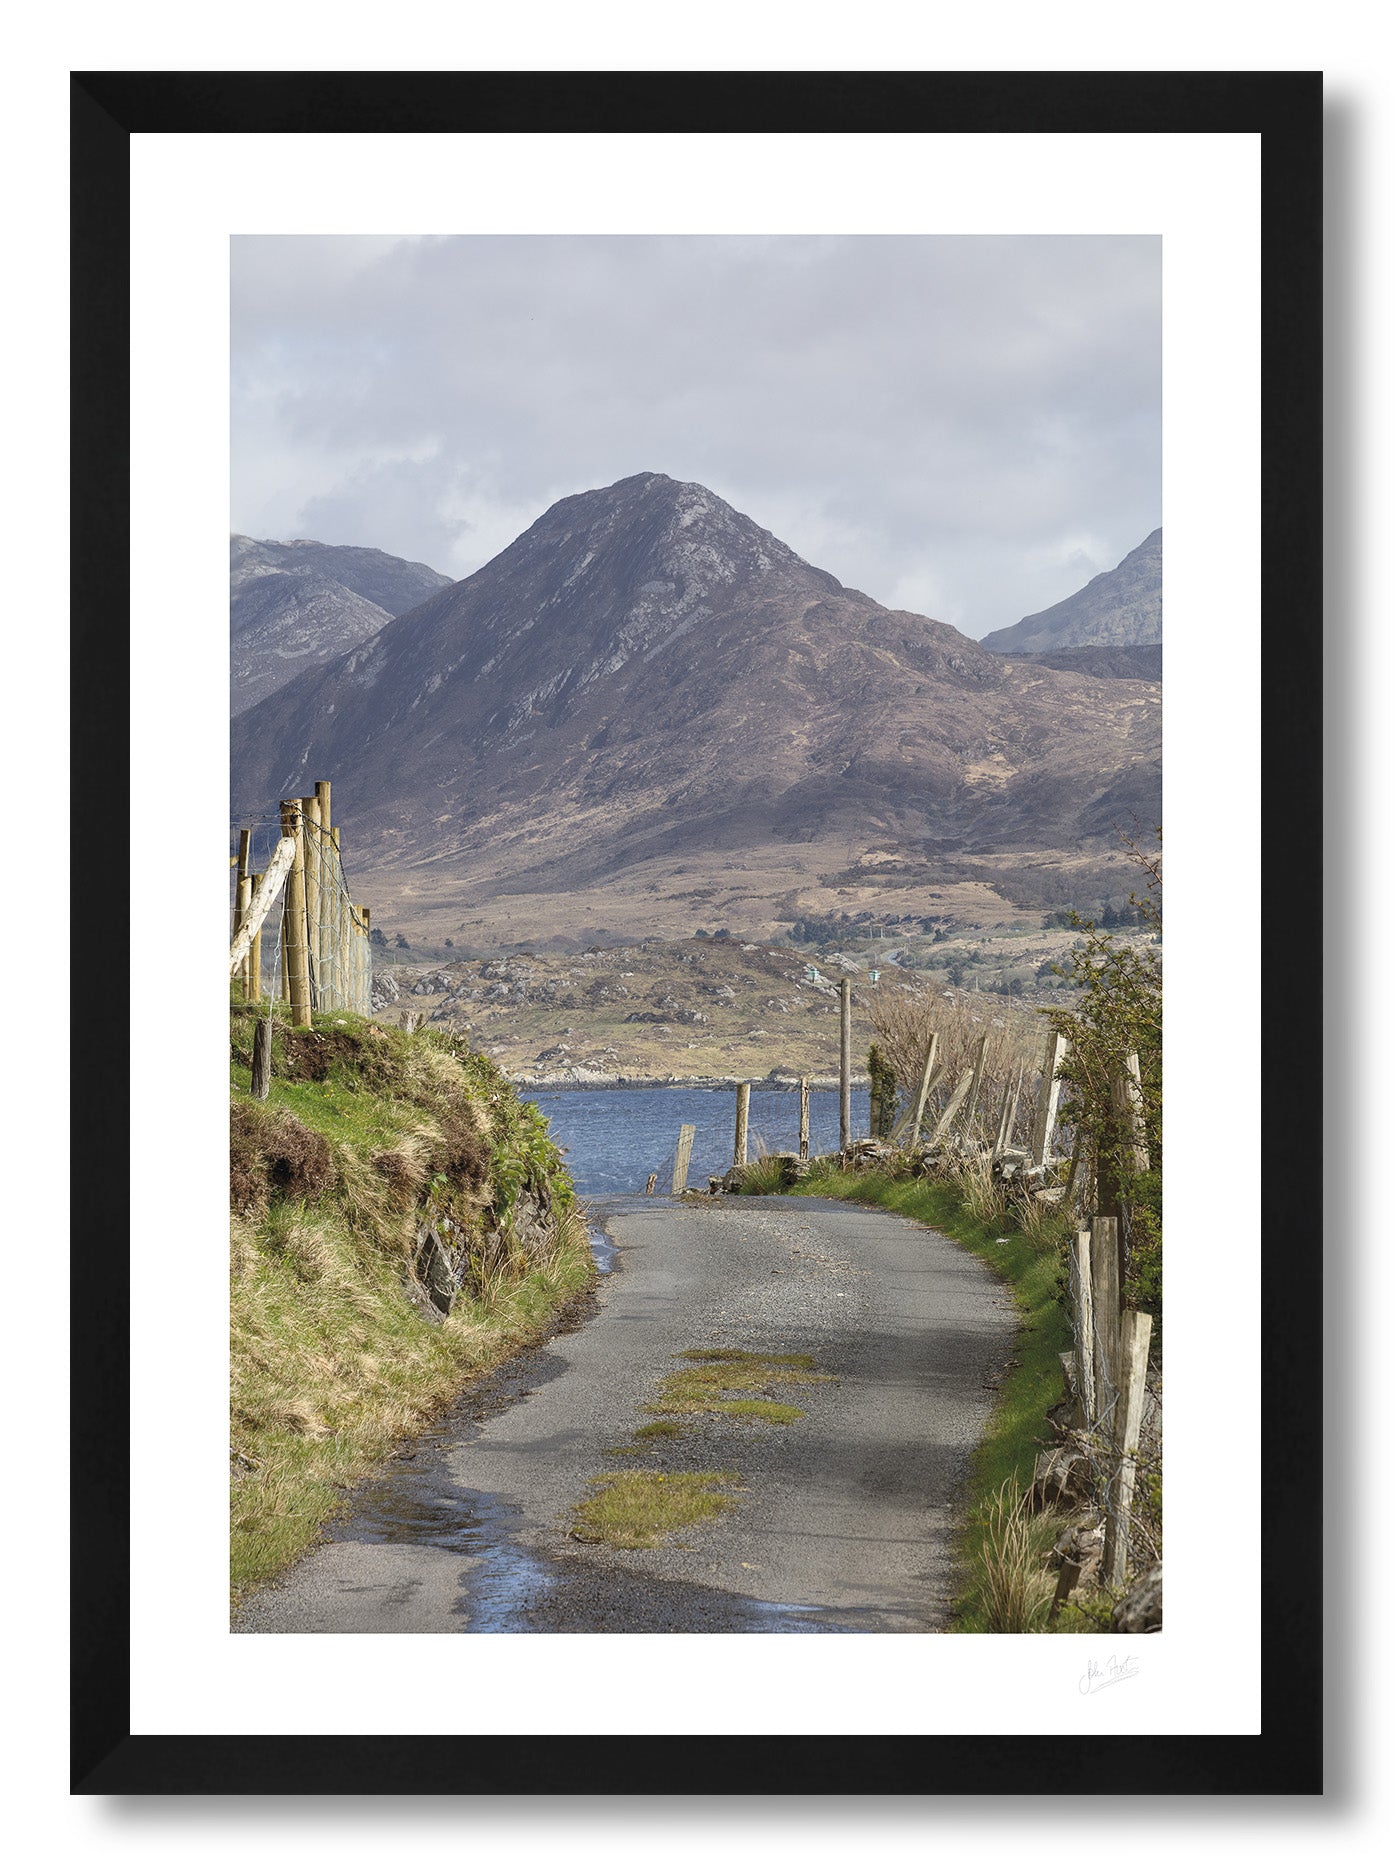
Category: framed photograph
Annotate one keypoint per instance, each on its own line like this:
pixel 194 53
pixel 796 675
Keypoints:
pixel 985 303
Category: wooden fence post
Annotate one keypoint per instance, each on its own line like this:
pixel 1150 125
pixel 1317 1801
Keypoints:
pixel 244 889
pixel 342 970
pixel 1011 1093
pixel 1043 1128
pixel 955 1102
pixel 1136 1339
pixel 803 1118
pixel 309 812
pixel 1084 1327
pixel 925 1081
pixel 367 961
pixel 275 875
pixel 261 1060
pixel 1121 1145
pixel 253 987
pixel 295 926
pixel 1107 1312
pixel 978 1065
pixel 742 1120
pixel 686 1134
pixel 845 1076
pixel 326 895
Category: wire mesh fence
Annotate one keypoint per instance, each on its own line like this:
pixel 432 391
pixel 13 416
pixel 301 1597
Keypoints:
pixel 311 947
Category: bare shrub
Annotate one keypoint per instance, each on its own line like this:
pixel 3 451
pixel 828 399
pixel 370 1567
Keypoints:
pixel 907 1012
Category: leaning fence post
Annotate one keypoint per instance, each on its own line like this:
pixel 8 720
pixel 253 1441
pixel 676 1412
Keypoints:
pixel 294 924
pixel 803 1118
pixel 1049 1098
pixel 978 1064
pixel 686 1135
pixel 742 1120
pixel 946 1120
pixel 1011 1095
pixel 925 1082
pixel 1136 1339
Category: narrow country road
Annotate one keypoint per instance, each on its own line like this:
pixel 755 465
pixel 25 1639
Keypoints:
pixel 844 1520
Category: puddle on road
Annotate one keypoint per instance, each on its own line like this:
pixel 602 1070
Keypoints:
pixel 603 1250
pixel 417 1502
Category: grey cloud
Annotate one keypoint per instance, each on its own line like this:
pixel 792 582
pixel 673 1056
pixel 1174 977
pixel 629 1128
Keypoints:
pixel 976 421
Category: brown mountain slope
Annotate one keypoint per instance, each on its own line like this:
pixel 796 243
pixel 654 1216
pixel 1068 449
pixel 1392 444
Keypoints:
pixel 646 679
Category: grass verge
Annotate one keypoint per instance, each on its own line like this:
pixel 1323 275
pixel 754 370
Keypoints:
pixel 640 1507
pixel 370 1136
pixel 1029 1262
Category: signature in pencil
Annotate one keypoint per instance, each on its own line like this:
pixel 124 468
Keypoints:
pixel 1104 1675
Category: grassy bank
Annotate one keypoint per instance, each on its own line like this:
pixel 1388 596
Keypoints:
pixel 369 1139
pixel 1029 1262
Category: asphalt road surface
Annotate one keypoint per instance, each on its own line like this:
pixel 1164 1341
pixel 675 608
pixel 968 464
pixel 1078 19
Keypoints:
pixel 844 1520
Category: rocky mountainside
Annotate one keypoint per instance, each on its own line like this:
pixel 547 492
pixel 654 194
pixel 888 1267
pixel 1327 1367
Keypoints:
pixel 648 708
pixel 295 603
pixel 1105 660
pixel 1121 607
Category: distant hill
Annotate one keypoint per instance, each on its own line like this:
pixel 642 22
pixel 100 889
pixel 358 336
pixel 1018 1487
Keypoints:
pixel 648 709
pixel 1141 661
pixel 1120 607
pixel 295 603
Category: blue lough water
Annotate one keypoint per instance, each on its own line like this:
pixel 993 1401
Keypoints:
pixel 614 1138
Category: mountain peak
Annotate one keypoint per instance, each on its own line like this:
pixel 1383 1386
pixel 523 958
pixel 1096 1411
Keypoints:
pixel 1122 606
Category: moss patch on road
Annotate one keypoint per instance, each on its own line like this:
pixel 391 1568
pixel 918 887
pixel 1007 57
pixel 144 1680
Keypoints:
pixel 727 1382
pixel 640 1507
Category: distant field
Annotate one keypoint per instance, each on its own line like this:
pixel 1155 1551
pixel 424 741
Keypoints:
pixel 700 1008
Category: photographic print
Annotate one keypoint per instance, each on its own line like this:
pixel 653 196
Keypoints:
pixel 694 920
pixel 695 874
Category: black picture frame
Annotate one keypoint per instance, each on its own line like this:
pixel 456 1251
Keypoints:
pixel 1285 109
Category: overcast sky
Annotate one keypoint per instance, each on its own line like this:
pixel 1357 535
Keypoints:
pixel 967 427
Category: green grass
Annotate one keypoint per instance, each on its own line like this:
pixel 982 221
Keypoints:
pixel 766 1173
pixel 765 1409
pixel 639 1507
pixel 368 1132
pixel 1029 1264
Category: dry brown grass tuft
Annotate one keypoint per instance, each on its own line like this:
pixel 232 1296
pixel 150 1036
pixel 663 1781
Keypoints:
pixel 1015 1586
